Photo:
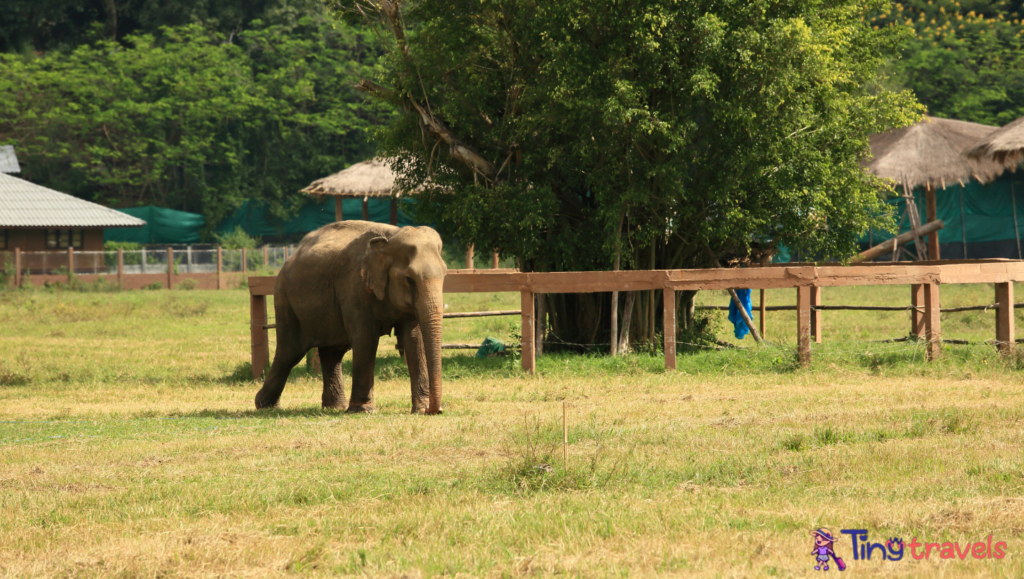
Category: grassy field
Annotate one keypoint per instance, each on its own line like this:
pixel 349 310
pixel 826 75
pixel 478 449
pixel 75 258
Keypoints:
pixel 130 449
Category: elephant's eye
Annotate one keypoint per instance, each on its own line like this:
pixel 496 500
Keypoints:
pixel 412 284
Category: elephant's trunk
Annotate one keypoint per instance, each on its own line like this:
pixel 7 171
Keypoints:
pixel 429 311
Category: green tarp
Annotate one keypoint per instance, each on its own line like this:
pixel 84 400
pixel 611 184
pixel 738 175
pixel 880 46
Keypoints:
pixel 162 226
pixel 253 218
pixel 986 217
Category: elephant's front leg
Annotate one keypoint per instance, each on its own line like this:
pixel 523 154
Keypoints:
pixel 334 389
pixel 364 359
pixel 416 361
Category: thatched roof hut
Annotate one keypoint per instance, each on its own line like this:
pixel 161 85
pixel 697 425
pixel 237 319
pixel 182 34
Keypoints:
pixel 372 178
pixel 931 153
pixel 1004 146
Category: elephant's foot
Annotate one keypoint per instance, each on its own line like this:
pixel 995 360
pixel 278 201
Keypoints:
pixel 333 403
pixel 360 408
pixel 419 406
pixel 263 403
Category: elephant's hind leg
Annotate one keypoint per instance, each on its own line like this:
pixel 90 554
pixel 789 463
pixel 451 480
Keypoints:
pixel 334 389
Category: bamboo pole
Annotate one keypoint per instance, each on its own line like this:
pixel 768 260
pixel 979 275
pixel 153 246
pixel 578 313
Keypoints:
pixel 901 239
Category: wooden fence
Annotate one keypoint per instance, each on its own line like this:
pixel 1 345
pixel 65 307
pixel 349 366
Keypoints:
pixel 924 278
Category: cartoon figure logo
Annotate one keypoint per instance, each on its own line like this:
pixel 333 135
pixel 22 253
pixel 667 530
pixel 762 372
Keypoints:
pixel 823 541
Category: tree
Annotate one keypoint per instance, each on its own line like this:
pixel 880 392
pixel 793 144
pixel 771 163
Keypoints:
pixel 567 132
pixel 965 60
pixel 193 120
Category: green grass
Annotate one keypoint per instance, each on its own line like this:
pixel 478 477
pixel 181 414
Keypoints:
pixel 130 447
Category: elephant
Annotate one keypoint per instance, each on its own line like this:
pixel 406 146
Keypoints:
pixel 348 284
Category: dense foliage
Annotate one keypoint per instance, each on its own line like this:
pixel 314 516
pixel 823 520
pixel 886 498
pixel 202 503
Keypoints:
pixel 656 128
pixel 192 119
pixel 966 59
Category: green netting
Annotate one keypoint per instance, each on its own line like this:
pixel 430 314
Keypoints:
pixel 253 217
pixel 972 212
pixel 162 226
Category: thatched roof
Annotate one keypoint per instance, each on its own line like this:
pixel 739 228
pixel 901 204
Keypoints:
pixel 931 152
pixel 1005 145
pixel 373 178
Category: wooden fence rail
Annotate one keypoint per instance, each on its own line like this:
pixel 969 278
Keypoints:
pixel 807 279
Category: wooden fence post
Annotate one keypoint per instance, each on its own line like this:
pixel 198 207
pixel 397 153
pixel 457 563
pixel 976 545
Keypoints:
pixel 120 267
pixel 266 257
pixel 932 324
pixel 244 264
pixel 669 313
pixel 71 264
pixel 803 325
pixel 170 268
pixel 1005 336
pixel 17 267
pixel 220 267
pixel 540 314
pixel 916 313
pixel 469 257
pixel 260 342
pixel 816 314
pixel 762 311
pixel 495 258
pixel 527 332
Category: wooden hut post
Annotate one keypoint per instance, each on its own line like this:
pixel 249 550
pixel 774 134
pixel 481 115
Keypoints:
pixel 393 215
pixel 17 267
pixel 803 325
pixel 71 264
pixel 170 268
pixel 917 310
pixel 258 333
pixel 469 256
pixel 120 267
pixel 932 325
pixel 220 267
pixel 339 215
pixel 527 331
pixel 930 212
pixel 366 208
pixel 1005 336
pixel 669 320
pixel 816 314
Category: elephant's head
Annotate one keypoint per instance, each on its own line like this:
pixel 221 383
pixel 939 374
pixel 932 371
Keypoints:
pixel 407 270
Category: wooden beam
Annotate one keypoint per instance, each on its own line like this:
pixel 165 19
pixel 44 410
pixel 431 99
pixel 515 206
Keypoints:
pixel 803 325
pixel 815 314
pixel 930 212
pixel 902 239
pixel 669 322
pixel 527 331
pixel 932 322
pixel 1005 338
pixel 262 285
pixel 259 336
pixel 917 314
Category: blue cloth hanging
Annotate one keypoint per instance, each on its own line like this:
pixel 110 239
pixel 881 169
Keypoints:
pixel 740 328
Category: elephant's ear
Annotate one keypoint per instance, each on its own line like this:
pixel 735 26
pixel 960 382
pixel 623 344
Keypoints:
pixel 376 263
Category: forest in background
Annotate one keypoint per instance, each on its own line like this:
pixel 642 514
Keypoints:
pixel 199 105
